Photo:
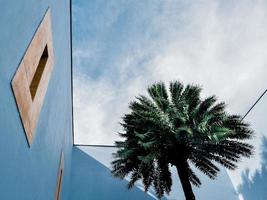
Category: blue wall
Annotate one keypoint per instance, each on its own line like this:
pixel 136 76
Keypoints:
pixel 31 173
pixel 92 180
pixel 219 189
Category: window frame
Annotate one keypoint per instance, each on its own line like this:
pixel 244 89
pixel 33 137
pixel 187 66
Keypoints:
pixel 30 107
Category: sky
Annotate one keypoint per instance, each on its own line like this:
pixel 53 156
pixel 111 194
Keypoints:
pixel 121 47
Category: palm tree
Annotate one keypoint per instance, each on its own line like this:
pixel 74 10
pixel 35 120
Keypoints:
pixel 178 129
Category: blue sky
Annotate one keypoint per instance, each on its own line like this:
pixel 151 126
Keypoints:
pixel 120 47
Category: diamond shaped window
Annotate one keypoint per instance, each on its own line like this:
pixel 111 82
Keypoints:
pixel 32 77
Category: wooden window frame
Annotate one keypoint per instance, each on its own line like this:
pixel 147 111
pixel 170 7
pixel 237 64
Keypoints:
pixel 60 175
pixel 29 102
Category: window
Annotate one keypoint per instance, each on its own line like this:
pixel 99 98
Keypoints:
pixel 60 177
pixel 38 73
pixel 32 77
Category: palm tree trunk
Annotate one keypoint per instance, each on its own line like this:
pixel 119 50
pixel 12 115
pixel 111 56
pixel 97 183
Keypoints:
pixel 183 175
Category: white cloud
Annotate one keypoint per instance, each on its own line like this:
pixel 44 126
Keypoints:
pixel 240 196
pixel 221 45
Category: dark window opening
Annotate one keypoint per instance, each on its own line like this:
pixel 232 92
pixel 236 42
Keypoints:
pixel 38 73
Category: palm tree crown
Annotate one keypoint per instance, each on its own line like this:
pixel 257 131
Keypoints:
pixel 178 128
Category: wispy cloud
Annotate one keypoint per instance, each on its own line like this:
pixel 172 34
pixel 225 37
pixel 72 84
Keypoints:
pixel 120 48
pixel 240 196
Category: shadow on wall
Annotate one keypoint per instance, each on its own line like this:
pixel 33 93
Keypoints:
pixel 256 189
pixel 92 180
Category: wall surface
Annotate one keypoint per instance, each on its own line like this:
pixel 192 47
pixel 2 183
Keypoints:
pixel 219 189
pixel 31 173
pixel 90 179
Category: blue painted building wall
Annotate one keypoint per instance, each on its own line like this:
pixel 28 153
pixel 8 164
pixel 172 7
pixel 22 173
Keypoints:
pixel 219 189
pixel 31 173
pixel 90 179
